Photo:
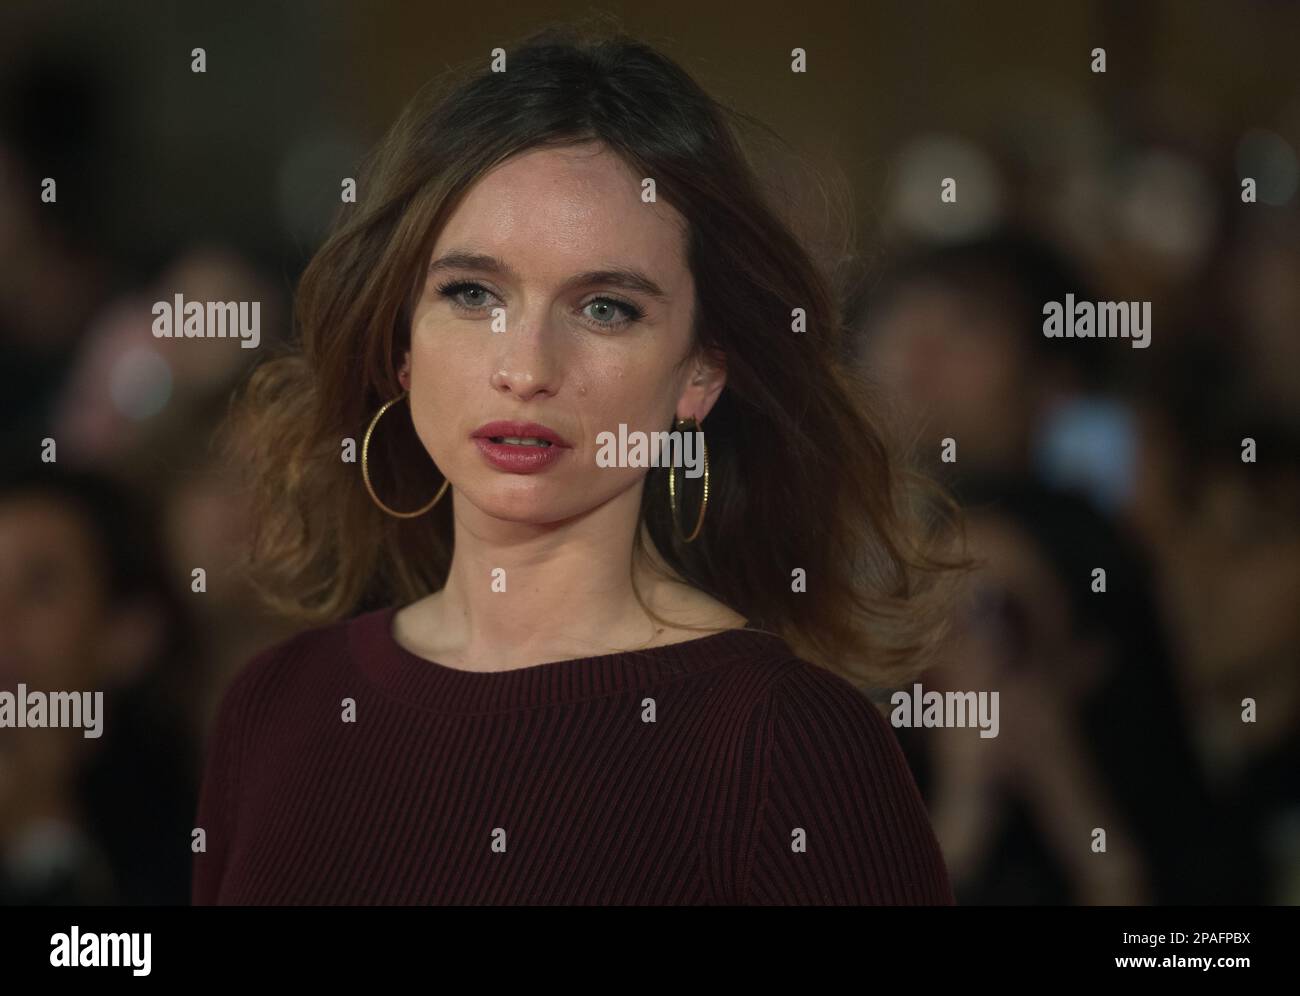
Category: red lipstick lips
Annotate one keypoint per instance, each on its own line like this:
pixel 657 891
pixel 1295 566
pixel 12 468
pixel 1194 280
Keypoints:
pixel 519 447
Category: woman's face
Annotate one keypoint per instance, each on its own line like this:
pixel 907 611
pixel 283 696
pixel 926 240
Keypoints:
pixel 547 335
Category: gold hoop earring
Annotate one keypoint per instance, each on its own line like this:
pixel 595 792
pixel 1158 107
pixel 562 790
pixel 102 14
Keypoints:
pixel 365 466
pixel 672 483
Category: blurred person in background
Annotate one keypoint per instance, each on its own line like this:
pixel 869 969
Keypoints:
pixel 206 523
pixel 1236 589
pixel 1226 534
pixel 955 332
pixel 148 407
pixel 1051 456
pixel 132 400
pixel 85 605
pixel 1093 731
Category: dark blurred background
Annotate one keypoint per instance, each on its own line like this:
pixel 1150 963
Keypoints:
pixel 1121 710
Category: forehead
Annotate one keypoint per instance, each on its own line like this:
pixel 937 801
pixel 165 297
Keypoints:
pixel 564 209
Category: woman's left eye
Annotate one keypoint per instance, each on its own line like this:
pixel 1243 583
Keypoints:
pixel 631 312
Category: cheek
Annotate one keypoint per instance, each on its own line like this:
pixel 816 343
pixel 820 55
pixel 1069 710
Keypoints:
pixel 429 408
pixel 442 370
pixel 620 394
pixel 429 382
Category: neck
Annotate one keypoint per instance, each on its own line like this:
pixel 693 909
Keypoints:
pixel 517 593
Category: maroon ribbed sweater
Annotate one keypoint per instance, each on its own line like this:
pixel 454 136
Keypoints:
pixel 721 770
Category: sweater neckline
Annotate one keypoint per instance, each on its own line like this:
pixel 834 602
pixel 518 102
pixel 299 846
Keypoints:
pixel 425 683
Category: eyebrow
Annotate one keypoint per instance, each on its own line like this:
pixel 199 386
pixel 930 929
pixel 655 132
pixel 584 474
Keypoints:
pixel 613 276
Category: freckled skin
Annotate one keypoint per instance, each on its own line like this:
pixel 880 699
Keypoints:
pixel 561 361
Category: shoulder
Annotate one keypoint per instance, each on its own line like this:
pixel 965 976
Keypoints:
pixel 811 716
pixel 837 816
pixel 779 691
pixel 809 695
pixel 801 720
pixel 787 693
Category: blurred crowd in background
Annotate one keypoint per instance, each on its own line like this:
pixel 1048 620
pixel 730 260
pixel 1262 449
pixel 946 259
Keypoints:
pixel 1120 710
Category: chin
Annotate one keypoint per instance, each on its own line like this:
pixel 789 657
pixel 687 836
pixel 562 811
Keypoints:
pixel 522 500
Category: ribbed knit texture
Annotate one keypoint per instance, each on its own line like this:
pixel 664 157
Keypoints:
pixel 551 785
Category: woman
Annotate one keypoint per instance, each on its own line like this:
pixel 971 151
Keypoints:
pixel 571 682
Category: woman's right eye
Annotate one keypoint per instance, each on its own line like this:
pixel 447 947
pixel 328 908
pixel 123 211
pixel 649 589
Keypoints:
pixel 453 291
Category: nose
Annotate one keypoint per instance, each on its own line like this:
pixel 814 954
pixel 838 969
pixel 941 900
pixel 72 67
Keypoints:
pixel 526 362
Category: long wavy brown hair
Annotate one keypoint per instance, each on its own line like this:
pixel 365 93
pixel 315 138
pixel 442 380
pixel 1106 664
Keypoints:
pixel 801 474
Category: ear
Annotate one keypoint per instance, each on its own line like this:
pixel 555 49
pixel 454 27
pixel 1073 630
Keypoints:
pixel 404 374
pixel 707 378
